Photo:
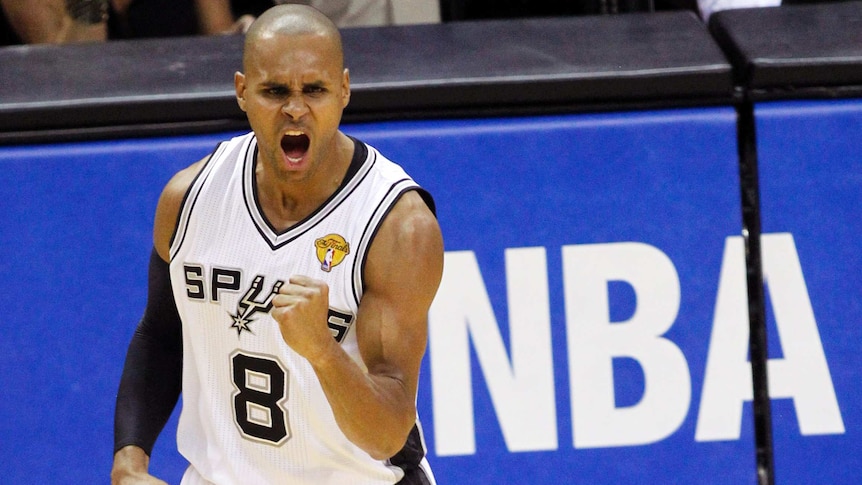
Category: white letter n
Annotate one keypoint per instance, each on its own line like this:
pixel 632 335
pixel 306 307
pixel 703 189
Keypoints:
pixel 522 390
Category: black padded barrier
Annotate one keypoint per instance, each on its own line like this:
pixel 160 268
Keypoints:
pixel 184 85
pixel 796 51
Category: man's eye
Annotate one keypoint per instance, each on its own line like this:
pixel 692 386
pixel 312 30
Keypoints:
pixel 314 90
pixel 276 91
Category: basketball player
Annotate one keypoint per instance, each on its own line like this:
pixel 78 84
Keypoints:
pixel 289 373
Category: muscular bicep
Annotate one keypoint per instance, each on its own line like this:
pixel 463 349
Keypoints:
pixel 402 274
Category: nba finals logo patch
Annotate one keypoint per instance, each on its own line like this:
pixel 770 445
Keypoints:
pixel 331 250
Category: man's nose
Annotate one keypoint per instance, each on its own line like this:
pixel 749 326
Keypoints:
pixel 295 106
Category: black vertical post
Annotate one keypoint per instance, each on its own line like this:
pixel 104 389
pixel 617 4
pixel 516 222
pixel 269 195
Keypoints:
pixel 750 186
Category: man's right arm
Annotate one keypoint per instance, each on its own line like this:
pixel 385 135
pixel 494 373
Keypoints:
pixel 152 375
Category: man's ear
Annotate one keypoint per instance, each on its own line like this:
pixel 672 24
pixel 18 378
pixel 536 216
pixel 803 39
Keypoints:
pixel 345 89
pixel 239 85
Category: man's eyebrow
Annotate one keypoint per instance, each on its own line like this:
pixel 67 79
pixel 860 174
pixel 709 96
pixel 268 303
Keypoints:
pixel 273 84
pixel 278 84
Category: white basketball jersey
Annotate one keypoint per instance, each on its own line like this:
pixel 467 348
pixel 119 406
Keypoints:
pixel 253 410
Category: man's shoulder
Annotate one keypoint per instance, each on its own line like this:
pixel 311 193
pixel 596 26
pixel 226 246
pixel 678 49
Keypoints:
pixel 174 192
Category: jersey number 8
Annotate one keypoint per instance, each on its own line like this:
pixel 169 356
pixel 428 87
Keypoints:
pixel 261 390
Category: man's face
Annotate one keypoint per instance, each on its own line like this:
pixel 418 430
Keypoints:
pixel 294 91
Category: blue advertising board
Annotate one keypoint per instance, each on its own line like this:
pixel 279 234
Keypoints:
pixel 75 237
pixel 591 326
pixel 569 340
pixel 811 188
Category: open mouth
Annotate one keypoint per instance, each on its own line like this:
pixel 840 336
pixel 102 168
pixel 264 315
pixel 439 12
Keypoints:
pixel 295 145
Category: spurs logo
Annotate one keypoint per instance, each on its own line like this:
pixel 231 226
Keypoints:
pixel 203 285
pixel 249 305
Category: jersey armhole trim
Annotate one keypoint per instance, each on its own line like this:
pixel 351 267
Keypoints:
pixel 397 189
pixel 189 200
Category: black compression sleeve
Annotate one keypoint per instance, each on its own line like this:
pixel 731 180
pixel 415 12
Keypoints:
pixel 152 376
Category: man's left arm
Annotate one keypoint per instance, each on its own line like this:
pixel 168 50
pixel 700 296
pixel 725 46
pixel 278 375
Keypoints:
pixel 375 410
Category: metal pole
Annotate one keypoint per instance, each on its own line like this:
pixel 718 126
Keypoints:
pixel 749 182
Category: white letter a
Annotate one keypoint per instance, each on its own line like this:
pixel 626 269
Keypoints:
pixel 802 374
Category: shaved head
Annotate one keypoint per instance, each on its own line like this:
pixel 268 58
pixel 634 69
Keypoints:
pixel 294 89
pixel 291 20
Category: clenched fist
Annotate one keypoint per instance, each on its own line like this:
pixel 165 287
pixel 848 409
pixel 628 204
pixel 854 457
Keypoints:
pixel 301 309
